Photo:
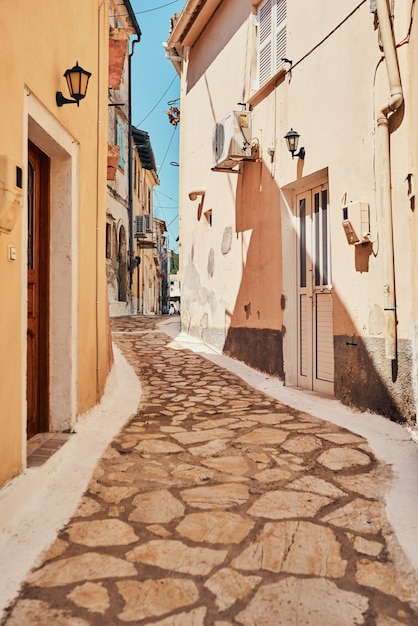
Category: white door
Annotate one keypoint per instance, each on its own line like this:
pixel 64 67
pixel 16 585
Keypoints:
pixel 315 327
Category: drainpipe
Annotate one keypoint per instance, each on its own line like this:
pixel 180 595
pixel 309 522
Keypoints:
pixel 383 145
pixel 130 168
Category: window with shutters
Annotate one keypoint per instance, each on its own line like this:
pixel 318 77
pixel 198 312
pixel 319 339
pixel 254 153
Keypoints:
pixel 140 230
pixel 147 223
pixel 120 141
pixel 271 38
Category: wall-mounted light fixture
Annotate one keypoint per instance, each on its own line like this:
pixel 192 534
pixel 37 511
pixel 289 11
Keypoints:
pixel 292 140
pixel 77 81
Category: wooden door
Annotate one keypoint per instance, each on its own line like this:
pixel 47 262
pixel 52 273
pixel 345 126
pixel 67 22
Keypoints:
pixel 37 374
pixel 315 319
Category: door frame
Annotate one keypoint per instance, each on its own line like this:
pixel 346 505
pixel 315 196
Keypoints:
pixel 38 277
pixel 290 251
pixel 314 291
pixel 49 135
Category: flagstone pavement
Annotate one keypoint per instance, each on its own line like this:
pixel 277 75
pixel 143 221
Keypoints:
pixel 218 505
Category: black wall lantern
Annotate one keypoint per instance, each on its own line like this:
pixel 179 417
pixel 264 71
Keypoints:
pixel 77 81
pixel 292 140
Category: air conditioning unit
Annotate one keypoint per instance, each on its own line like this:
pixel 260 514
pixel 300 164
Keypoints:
pixel 356 222
pixel 231 140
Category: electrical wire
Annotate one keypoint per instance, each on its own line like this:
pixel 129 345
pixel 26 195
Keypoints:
pixel 162 6
pixel 173 234
pixel 157 103
pixel 168 147
pixel 411 19
pixel 326 37
pixel 160 193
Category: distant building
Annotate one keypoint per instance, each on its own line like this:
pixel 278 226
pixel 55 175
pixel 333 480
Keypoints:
pixel 175 295
pixel 145 281
pixel 161 260
pixel 119 237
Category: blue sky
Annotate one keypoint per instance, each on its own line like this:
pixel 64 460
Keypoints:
pixel 155 83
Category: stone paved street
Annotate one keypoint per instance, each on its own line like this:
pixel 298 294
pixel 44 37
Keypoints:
pixel 218 505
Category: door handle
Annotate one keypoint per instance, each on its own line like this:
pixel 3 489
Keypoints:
pixel 310 284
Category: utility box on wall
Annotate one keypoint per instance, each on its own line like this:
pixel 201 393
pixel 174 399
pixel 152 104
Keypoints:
pixel 356 222
pixel 11 193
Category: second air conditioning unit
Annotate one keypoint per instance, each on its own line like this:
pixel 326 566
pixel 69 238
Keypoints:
pixel 231 140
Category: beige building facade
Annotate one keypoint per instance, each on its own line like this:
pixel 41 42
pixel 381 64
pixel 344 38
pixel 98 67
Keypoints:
pixel 302 264
pixel 144 279
pixel 162 266
pixel 54 334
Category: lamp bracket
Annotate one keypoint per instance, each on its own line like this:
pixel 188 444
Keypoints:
pixel 61 100
pixel 300 154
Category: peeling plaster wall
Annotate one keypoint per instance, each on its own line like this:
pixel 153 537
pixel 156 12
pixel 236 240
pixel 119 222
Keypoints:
pixel 119 295
pixel 365 379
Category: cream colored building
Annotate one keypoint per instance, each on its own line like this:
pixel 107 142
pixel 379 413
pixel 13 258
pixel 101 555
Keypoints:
pixel 54 334
pixel 123 35
pixel 144 278
pixel 175 293
pixel 162 266
pixel 303 267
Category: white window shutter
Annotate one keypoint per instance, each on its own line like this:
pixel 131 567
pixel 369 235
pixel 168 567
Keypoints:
pixel 271 45
pixel 265 42
pixel 280 33
pixel 139 224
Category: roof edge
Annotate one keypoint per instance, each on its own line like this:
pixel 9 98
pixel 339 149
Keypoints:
pixel 192 20
pixel 133 19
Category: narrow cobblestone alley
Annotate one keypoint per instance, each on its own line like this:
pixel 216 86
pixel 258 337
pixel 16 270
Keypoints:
pixel 218 505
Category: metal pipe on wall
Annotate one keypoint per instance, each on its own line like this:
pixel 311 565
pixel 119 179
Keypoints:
pixel 384 171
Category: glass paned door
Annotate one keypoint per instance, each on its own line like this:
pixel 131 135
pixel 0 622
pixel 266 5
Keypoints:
pixel 315 321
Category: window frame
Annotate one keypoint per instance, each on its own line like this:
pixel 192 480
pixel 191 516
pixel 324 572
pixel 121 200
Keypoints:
pixel 271 21
pixel 120 141
pixel 109 232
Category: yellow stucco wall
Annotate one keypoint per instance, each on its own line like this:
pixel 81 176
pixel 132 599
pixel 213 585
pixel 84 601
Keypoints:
pixel 36 47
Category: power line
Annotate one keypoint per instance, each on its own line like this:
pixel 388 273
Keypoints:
pixel 160 193
pixel 155 106
pixel 162 6
pixel 168 224
pixel 168 147
pixel 326 37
